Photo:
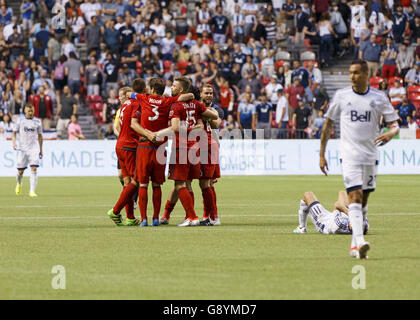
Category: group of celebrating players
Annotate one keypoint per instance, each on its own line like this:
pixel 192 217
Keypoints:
pixel 144 122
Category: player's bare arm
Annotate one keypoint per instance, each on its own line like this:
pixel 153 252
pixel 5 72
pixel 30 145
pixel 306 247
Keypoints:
pixel 387 136
pixel 185 97
pixel 40 144
pixel 325 135
pixel 342 202
pixel 198 125
pixel 174 127
pixel 14 140
pixel 135 125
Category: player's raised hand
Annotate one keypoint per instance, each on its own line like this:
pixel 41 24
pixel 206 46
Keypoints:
pixel 323 165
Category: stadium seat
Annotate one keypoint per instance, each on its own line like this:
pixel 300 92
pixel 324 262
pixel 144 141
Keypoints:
pixel 375 81
pixel 265 81
pixel 306 63
pixel 179 39
pixel 413 89
pixel 392 79
pixel 282 55
pixel 182 67
pixel 414 97
pixel 278 64
pixel 167 65
pixel 307 55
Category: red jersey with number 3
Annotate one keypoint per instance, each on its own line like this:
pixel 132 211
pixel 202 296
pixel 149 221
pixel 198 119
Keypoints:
pixel 188 113
pixel 128 137
pixel 155 111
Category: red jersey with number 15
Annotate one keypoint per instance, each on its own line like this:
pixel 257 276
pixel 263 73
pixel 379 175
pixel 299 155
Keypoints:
pixel 128 137
pixel 188 113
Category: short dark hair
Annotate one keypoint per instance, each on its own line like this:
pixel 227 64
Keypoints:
pixel 138 85
pixel 363 64
pixel 196 92
pixel 158 85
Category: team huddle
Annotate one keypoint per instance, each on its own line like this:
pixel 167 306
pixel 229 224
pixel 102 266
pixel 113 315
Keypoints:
pixel 145 122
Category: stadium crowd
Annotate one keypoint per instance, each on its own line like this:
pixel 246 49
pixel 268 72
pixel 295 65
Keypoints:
pixel 263 59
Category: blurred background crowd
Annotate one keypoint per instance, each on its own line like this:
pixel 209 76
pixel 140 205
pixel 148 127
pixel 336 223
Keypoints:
pixel 266 60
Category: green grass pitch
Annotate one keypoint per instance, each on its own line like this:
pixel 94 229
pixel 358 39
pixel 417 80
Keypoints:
pixel 252 255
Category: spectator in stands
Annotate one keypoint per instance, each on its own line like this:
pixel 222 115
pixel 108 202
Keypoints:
pixel 59 75
pixel 107 132
pixel 415 29
pixel 289 10
pixel 6 127
pixel 411 124
pixel 294 90
pixel 67 106
pixel 314 73
pixel 26 9
pixel 16 43
pixel 73 69
pixel 400 24
pixel 250 11
pixel 271 89
pixel 305 79
pixel 405 60
pixel 318 124
pixel 320 7
pixel 111 106
pixel 129 57
pixel 110 72
pixel 246 110
pixel 282 115
pixel 327 34
pixel 109 10
pixel 227 97
pixel 389 53
pixel 16 106
pixel 93 77
pixel 41 80
pixel 340 29
pixel 237 24
pixel 301 21
pixel 371 52
pixel 405 109
pixel 54 50
pixel 357 26
pixel 43 107
pixel 74 130
pixel 252 81
pixel 263 116
pixel 412 78
pixel 220 25
pixel 302 120
pixel 202 49
pixel 126 77
pixel 397 92
pixel 111 36
pixel 93 34
pixel 310 32
pixel 67 47
pixel 128 34
pixel 179 12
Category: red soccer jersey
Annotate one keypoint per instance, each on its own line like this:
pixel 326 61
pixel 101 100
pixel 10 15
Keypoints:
pixel 225 95
pixel 128 137
pixel 155 111
pixel 188 113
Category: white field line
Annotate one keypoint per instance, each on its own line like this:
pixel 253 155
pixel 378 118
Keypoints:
pixel 222 216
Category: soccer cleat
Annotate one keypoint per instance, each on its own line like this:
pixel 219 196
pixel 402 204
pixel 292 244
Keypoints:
pixel 189 222
pixel 299 230
pixel 363 249
pixel 155 222
pixel 144 223
pixel 365 226
pixel 116 218
pixel 215 222
pixel 163 221
pixel 18 189
pixel 206 222
pixel 132 222
pixel 33 194
pixel 354 253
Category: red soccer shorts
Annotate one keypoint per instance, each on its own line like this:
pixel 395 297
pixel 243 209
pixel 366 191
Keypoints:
pixel 148 167
pixel 211 169
pixel 127 161
pixel 181 171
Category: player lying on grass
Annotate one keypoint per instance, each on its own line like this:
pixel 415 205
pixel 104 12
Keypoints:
pixel 326 222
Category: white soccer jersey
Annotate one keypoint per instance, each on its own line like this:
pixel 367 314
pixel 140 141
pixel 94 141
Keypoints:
pixel 28 130
pixel 359 116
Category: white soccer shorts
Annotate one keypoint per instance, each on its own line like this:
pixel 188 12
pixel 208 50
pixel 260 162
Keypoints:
pixel 359 177
pixel 322 219
pixel 29 157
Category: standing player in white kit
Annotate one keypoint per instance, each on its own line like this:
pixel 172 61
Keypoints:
pixel 359 109
pixel 29 148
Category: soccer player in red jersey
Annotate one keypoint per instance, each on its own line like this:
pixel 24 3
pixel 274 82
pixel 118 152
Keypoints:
pixel 209 171
pixel 126 152
pixel 150 163
pixel 189 113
